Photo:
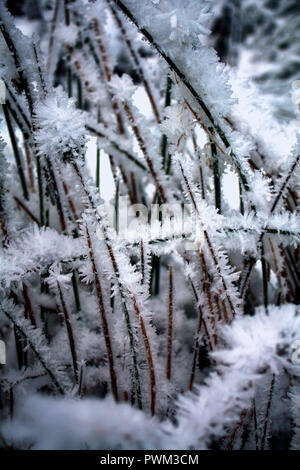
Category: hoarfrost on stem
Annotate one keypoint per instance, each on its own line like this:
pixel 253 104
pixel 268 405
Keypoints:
pixel 185 332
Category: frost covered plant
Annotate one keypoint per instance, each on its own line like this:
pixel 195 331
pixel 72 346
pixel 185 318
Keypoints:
pixel 171 339
pixel 59 126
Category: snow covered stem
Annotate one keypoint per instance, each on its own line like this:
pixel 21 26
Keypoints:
pixel 22 330
pixel 106 332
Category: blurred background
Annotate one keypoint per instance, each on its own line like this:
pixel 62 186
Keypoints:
pixel 260 37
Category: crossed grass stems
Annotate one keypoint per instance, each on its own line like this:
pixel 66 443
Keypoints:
pixel 50 172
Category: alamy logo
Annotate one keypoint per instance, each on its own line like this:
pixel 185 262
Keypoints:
pixel 137 222
pixel 2 92
pixel 2 353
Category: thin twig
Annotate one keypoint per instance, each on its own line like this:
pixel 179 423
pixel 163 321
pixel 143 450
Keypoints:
pixel 170 325
pixel 105 327
pixel 69 331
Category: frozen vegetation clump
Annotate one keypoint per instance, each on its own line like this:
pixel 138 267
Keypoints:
pixel 166 315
